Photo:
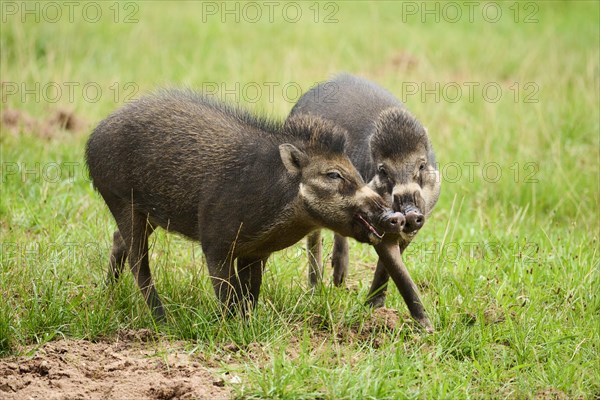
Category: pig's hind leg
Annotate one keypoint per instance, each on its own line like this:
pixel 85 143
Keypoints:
pixel 134 230
pixel 118 257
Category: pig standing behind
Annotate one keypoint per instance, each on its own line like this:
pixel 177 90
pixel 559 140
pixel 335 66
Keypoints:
pixel 243 186
pixel 392 151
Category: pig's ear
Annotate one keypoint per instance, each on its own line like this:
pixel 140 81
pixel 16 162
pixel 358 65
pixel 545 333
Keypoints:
pixel 293 158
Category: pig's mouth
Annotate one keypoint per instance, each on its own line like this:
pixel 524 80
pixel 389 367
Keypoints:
pixel 374 236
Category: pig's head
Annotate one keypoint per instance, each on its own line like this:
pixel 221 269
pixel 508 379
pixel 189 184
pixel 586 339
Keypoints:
pixel 406 169
pixel 330 189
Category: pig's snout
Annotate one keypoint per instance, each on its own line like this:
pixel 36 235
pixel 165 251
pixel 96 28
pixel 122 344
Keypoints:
pixel 392 222
pixel 414 221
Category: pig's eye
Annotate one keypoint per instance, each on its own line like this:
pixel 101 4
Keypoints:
pixel 382 171
pixel 422 167
pixel 334 175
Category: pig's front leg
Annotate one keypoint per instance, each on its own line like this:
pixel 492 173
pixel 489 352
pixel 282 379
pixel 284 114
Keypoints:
pixel 378 290
pixel 389 255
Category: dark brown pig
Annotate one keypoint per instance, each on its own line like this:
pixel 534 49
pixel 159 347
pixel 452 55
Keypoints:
pixel 392 151
pixel 242 186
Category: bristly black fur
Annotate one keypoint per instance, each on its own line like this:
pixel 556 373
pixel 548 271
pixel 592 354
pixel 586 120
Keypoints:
pixel 397 132
pixel 315 133
pixel 192 97
pixel 321 135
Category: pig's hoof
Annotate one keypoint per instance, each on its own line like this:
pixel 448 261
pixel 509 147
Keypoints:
pixel 376 301
pixel 159 315
pixel 426 324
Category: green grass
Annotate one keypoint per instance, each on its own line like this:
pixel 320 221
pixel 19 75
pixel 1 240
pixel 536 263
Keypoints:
pixel 507 265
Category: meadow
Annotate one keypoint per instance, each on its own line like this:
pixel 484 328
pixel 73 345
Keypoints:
pixel 507 265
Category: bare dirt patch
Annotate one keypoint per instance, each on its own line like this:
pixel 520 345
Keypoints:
pixel 61 120
pixel 551 394
pixel 400 62
pixel 133 366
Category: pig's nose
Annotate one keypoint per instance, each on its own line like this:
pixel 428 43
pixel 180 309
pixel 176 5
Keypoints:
pixel 393 222
pixel 414 221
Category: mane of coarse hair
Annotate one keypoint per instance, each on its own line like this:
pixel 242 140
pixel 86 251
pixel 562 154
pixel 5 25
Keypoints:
pixel 261 122
pixel 316 134
pixel 398 132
